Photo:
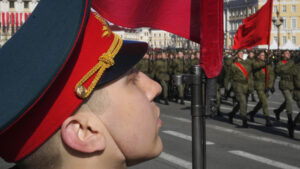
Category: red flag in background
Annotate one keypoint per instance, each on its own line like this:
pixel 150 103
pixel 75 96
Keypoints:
pixel 255 29
pixel 21 19
pixel 198 20
pixel 12 15
pixel 17 19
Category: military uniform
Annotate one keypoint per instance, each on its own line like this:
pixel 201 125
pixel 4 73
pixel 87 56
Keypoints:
pixel 178 69
pixel 240 71
pixel 260 71
pixel 251 81
pixel 284 69
pixel 296 79
pixel 144 66
pixel 227 68
pixel 162 75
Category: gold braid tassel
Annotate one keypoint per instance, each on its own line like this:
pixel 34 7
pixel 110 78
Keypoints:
pixel 105 61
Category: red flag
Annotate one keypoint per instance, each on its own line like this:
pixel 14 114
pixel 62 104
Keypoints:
pixel 21 19
pixel 7 20
pixel 17 19
pixel 26 15
pixel 255 29
pixel 12 15
pixel 198 20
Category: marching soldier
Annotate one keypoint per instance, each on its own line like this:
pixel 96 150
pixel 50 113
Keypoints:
pixel 251 59
pixel 240 71
pixel 162 75
pixel 296 78
pixel 178 68
pixel 260 72
pixel 284 70
pixel 145 65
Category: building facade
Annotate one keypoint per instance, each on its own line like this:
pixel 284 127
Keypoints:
pixel 155 38
pixel 289 10
pixel 13 13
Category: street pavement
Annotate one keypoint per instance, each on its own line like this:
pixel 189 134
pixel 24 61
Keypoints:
pixel 228 146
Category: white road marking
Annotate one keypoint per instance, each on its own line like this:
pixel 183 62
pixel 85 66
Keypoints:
pixel 263 160
pixel 248 135
pixel 183 136
pixel 175 160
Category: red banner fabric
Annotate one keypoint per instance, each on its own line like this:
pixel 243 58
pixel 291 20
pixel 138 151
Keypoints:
pixel 255 29
pixel 26 16
pixel 17 19
pixel 198 20
pixel 21 19
pixel 12 15
pixel 7 19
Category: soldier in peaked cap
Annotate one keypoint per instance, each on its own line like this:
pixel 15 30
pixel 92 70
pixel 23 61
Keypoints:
pixel 79 104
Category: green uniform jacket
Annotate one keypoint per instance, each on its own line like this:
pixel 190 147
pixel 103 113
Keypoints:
pixel 260 76
pixel 285 71
pixel 178 66
pixel 239 80
pixel 144 66
pixel 227 68
pixel 296 78
pixel 251 80
pixel 161 69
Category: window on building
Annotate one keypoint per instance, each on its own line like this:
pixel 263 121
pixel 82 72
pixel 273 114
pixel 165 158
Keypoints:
pixel 141 37
pixel 11 4
pixel 284 23
pixel 284 39
pixel 294 39
pixel 159 35
pixel 26 4
pixel 276 39
pixel 154 34
pixel 284 8
pixel 294 22
pixel 275 9
pixel 293 8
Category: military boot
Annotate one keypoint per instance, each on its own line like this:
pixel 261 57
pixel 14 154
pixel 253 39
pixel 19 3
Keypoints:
pixel 290 126
pixel 252 114
pixel 181 101
pixel 268 122
pixel 252 97
pixel 166 101
pixel 277 114
pixel 245 123
pixel 230 117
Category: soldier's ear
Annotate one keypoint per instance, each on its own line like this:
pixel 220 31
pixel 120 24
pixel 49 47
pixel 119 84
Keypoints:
pixel 81 132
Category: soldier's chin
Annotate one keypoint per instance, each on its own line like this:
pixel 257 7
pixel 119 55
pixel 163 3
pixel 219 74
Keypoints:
pixel 152 155
pixel 138 161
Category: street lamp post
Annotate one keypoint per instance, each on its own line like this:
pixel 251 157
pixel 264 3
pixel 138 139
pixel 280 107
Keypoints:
pixel 278 22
